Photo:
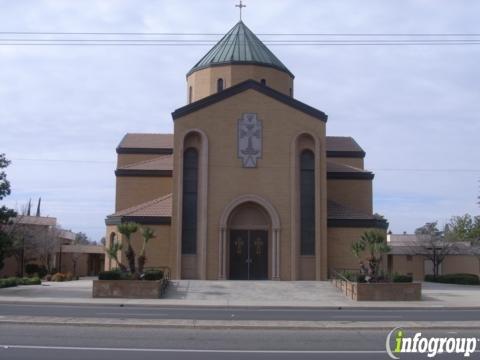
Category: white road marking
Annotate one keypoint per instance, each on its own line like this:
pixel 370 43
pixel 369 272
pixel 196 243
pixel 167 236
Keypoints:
pixel 36 347
pixel 369 316
pixel 130 314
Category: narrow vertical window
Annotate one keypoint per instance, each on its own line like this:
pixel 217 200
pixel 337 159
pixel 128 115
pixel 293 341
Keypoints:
pixel 307 203
pixel 189 201
pixel 263 82
pixel 190 93
pixel 291 92
pixel 219 85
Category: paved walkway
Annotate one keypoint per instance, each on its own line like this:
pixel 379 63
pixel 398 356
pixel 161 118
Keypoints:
pixel 242 293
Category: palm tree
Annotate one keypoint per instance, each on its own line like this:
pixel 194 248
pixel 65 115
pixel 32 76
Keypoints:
pixel 372 242
pixel 147 235
pixel 128 229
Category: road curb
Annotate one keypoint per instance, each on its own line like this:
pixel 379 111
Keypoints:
pixel 232 306
pixel 239 324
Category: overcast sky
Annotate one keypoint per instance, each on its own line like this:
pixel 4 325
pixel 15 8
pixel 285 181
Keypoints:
pixel 64 109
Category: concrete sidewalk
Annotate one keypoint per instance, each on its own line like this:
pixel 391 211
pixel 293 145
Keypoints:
pixel 315 294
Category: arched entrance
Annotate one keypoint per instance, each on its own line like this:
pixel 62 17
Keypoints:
pixel 249 240
pixel 248 233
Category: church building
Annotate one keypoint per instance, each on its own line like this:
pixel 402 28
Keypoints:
pixel 248 186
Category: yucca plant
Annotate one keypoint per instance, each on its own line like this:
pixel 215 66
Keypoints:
pixel 147 235
pixel 112 253
pixel 373 243
pixel 128 229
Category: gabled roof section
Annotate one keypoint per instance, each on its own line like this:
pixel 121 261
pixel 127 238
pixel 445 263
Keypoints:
pixel 246 85
pixel 159 166
pixel 156 211
pixel 343 146
pixel 347 172
pixel 133 143
pixel 240 46
pixel 342 216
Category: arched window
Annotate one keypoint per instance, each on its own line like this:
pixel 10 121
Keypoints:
pixel 263 82
pixel 189 202
pixel 307 203
pixel 219 85
pixel 190 94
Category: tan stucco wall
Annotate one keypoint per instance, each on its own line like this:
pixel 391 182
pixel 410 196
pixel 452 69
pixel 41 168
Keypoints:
pixel 204 82
pixel 10 267
pixel 461 264
pixel 355 194
pixel 134 190
pixel 227 179
pixel 157 250
pixel 402 266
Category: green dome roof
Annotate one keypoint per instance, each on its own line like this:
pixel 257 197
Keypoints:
pixel 240 46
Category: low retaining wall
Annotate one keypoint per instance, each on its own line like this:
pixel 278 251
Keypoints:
pixel 380 291
pixel 130 289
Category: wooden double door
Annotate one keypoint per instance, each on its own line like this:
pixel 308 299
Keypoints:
pixel 248 254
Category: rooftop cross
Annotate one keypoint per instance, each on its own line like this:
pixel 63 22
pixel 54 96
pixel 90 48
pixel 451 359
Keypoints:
pixel 240 6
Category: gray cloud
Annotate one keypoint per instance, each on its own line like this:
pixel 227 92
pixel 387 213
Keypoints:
pixel 409 107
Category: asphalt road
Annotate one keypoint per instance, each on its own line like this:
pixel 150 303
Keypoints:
pixel 81 342
pixel 296 314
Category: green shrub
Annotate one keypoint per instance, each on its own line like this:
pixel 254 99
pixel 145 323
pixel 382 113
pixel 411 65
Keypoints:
pixel 8 282
pixel 39 270
pixel 461 279
pixel 114 274
pixel 402 278
pixel 153 275
pixel 58 277
pixel 29 281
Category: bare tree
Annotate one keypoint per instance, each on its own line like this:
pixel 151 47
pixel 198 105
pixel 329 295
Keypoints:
pixel 47 245
pixel 433 245
pixel 436 249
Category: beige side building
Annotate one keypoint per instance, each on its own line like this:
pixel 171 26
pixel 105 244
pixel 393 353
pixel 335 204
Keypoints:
pixel 249 185
pixel 411 255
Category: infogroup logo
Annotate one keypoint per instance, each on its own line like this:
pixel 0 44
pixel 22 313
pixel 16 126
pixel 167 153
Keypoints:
pixel 398 343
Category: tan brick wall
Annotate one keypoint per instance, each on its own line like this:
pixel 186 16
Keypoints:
pixel 340 242
pixel 355 194
pixel 229 180
pixel 157 250
pixel 134 190
pixel 204 82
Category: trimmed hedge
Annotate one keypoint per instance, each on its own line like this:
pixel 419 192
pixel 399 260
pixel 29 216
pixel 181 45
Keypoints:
pixel 402 279
pixel 461 279
pixel 116 274
pixel 14 281
pixel 153 275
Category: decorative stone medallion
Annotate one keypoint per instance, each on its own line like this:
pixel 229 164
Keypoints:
pixel 249 139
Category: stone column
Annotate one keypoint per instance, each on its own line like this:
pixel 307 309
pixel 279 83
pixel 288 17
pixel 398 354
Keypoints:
pixel 221 254
pixel 275 255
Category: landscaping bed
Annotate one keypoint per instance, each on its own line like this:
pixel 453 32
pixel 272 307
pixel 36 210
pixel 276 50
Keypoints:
pixel 380 291
pixel 118 284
